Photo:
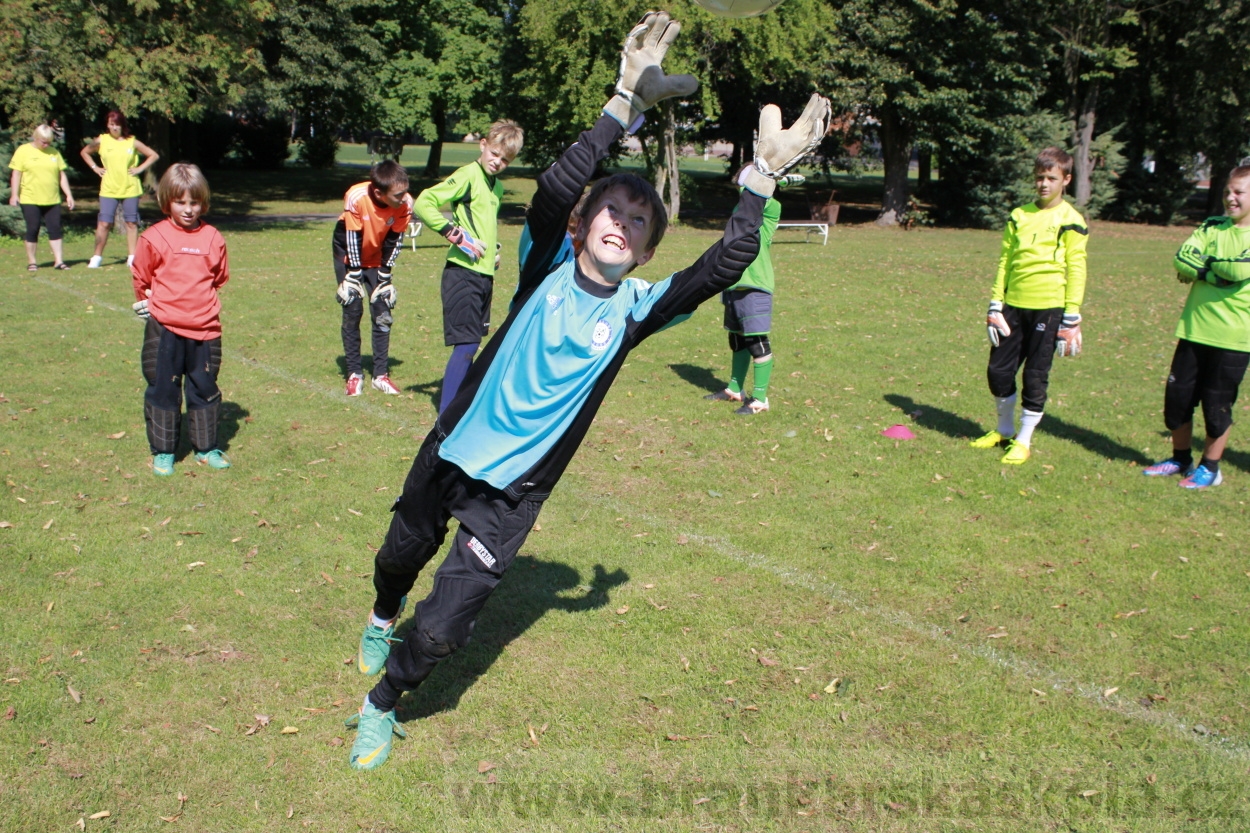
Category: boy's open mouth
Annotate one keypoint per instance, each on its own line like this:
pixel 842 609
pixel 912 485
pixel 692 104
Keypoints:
pixel 614 240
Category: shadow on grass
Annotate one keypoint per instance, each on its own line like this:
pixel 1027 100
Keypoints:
pixel 959 427
pixel 529 589
pixel 229 418
pixel 432 389
pixel 699 377
pixel 366 359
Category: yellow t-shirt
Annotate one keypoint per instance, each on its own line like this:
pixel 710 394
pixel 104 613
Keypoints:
pixel 118 156
pixel 41 174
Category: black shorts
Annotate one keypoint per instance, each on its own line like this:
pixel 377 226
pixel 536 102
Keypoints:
pixel 748 311
pixel 1210 376
pixel 466 305
pixel 1031 345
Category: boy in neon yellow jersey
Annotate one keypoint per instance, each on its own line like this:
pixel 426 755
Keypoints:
pixel 473 193
pixel 1214 331
pixel 1035 305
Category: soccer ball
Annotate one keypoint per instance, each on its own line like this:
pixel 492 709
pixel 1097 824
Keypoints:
pixel 739 8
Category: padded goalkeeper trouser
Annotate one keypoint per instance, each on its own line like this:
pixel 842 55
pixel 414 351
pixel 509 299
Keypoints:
pixel 168 359
pixel 1031 345
pixel 379 314
pixel 492 529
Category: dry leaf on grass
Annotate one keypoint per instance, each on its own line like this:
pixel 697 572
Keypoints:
pixel 699 801
pixel 326 576
pixel 832 688
pixel 484 766
pixel 354 512
pixel 1110 691
pixel 48 525
pixel 290 730
pixel 533 737
pixel 72 693
pixel 622 610
pixel 166 521
pixel 6 525
pixel 171 819
pixel 10 713
pixel 103 814
pixel 1088 793
pixel 768 661
pixel 117 436
pixel 195 564
pixel 290 811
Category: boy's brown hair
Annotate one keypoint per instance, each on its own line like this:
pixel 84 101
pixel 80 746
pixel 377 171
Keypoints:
pixel 638 190
pixel 182 178
pixel 1239 172
pixel 508 135
pixel 388 173
pixel 1053 157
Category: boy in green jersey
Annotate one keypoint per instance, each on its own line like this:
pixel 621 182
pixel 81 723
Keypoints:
pixel 1214 337
pixel 748 319
pixel 1035 305
pixel 473 194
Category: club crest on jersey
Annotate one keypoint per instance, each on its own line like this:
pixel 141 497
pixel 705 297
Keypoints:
pixel 554 301
pixel 483 554
pixel 602 334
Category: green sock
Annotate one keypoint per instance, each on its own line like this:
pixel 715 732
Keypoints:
pixel 763 372
pixel 738 370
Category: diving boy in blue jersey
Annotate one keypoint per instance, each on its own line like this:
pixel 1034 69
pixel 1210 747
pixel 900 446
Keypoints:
pixel 503 442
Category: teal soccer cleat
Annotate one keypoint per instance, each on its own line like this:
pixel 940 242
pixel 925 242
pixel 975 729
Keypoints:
pixel 375 732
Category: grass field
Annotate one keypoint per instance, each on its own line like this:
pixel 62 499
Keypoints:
pixel 786 623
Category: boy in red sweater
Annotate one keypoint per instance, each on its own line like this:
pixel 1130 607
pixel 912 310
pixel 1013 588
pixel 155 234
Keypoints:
pixel 180 263
pixel 366 243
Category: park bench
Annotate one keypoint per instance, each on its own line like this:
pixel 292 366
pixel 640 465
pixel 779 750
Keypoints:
pixel 812 228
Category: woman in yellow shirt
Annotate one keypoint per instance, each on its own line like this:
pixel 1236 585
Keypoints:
pixel 119 173
pixel 38 168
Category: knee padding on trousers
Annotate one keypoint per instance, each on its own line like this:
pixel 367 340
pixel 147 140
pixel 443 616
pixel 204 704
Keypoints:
pixel 162 428
pixel 404 550
pixel 202 426
pixel 758 346
pixel 1002 382
pixel 443 623
pixel 1179 403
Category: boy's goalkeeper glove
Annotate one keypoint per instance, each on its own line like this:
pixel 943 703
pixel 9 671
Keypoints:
pixel 778 150
pixel 498 257
pixel 464 241
pixel 995 324
pixel 1068 342
pixel 385 291
pixel 141 309
pixel 641 83
pixel 349 289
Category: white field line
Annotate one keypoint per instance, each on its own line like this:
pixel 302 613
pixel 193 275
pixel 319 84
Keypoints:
pixel 1031 671
pixel 334 395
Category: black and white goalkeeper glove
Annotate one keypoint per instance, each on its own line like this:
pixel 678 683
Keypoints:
pixel 385 291
pixel 778 150
pixel 1068 342
pixel 350 289
pixel 141 309
pixel 995 324
pixel 641 83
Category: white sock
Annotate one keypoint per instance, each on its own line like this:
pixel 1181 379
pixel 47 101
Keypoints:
pixel 1006 414
pixel 1028 421
pixel 379 623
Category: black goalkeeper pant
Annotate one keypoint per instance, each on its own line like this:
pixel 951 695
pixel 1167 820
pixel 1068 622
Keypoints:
pixel 1031 345
pixel 379 313
pixel 170 362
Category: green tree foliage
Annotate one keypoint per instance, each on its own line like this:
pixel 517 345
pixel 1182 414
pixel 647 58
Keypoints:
pixel 168 58
pixel 446 71
pixel 951 73
pixel 322 58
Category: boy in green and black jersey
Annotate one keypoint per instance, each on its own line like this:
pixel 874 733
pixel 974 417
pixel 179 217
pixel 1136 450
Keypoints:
pixel 1214 331
pixel 1035 305
pixel 473 194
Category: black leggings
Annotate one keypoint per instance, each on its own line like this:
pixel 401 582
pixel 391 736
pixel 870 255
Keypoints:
pixel 49 214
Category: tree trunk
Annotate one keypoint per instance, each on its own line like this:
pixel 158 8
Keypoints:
pixel 670 162
pixel 1082 140
pixel 925 170
pixel 667 177
pixel 439 117
pixel 896 153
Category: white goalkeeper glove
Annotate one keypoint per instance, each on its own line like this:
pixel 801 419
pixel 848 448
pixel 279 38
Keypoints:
pixel 778 150
pixel 995 324
pixel 385 291
pixel 641 83
pixel 498 256
pixel 350 289
pixel 141 309
pixel 1068 342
